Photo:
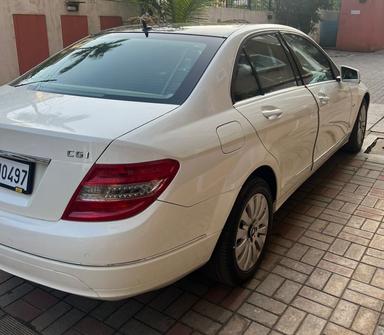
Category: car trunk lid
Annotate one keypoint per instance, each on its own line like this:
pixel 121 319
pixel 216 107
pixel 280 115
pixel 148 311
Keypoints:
pixel 64 135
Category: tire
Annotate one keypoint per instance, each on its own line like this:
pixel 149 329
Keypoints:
pixel 358 133
pixel 244 232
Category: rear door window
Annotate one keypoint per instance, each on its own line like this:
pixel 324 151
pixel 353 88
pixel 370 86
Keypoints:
pixel 245 84
pixel 262 66
pixel 271 63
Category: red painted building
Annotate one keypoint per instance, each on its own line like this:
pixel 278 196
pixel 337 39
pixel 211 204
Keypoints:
pixel 361 25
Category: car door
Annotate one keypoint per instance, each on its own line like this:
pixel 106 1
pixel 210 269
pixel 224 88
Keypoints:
pixel 268 92
pixel 333 96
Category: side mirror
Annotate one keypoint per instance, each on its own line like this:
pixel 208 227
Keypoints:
pixel 349 75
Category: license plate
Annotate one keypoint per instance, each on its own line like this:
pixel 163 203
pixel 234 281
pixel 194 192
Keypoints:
pixel 16 175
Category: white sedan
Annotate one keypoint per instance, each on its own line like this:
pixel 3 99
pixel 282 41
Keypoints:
pixel 130 159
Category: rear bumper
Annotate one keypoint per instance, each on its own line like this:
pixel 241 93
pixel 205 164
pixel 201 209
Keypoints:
pixel 113 260
pixel 112 282
pixel 159 229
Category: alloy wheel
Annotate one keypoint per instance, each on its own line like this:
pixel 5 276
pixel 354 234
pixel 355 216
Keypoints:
pixel 252 232
pixel 362 123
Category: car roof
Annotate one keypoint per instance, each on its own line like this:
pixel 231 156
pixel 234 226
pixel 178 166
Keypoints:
pixel 218 30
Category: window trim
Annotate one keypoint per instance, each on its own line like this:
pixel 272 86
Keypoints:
pixel 292 57
pixel 254 72
pixel 241 47
pixel 331 64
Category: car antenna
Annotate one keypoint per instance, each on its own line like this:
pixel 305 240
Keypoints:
pixel 143 20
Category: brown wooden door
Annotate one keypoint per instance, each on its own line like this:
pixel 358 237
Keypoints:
pixel 31 40
pixel 107 22
pixel 74 28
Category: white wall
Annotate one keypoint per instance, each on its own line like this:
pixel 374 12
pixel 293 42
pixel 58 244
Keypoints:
pixel 222 14
pixel 52 9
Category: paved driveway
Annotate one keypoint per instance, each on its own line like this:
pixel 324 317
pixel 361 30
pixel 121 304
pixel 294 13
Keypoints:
pixel 323 272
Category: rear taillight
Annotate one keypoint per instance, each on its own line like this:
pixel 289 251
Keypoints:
pixel 115 192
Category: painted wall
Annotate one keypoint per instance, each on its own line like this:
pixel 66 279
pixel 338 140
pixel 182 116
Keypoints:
pixel 52 9
pixel 221 14
pixel 361 25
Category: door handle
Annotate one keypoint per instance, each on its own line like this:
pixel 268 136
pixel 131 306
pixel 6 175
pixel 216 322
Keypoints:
pixel 324 99
pixel 273 114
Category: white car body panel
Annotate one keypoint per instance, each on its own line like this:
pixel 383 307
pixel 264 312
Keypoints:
pixel 106 282
pixel 334 115
pixel 82 117
pixel 47 126
pixel 289 138
pixel 178 232
pixel 118 242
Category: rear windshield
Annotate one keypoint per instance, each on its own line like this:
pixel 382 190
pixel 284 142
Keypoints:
pixel 163 68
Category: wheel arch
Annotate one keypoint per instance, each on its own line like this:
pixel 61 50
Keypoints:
pixel 221 262
pixel 268 175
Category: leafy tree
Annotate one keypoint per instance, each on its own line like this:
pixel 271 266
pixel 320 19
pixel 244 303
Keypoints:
pixel 184 10
pixel 301 14
pixel 175 11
